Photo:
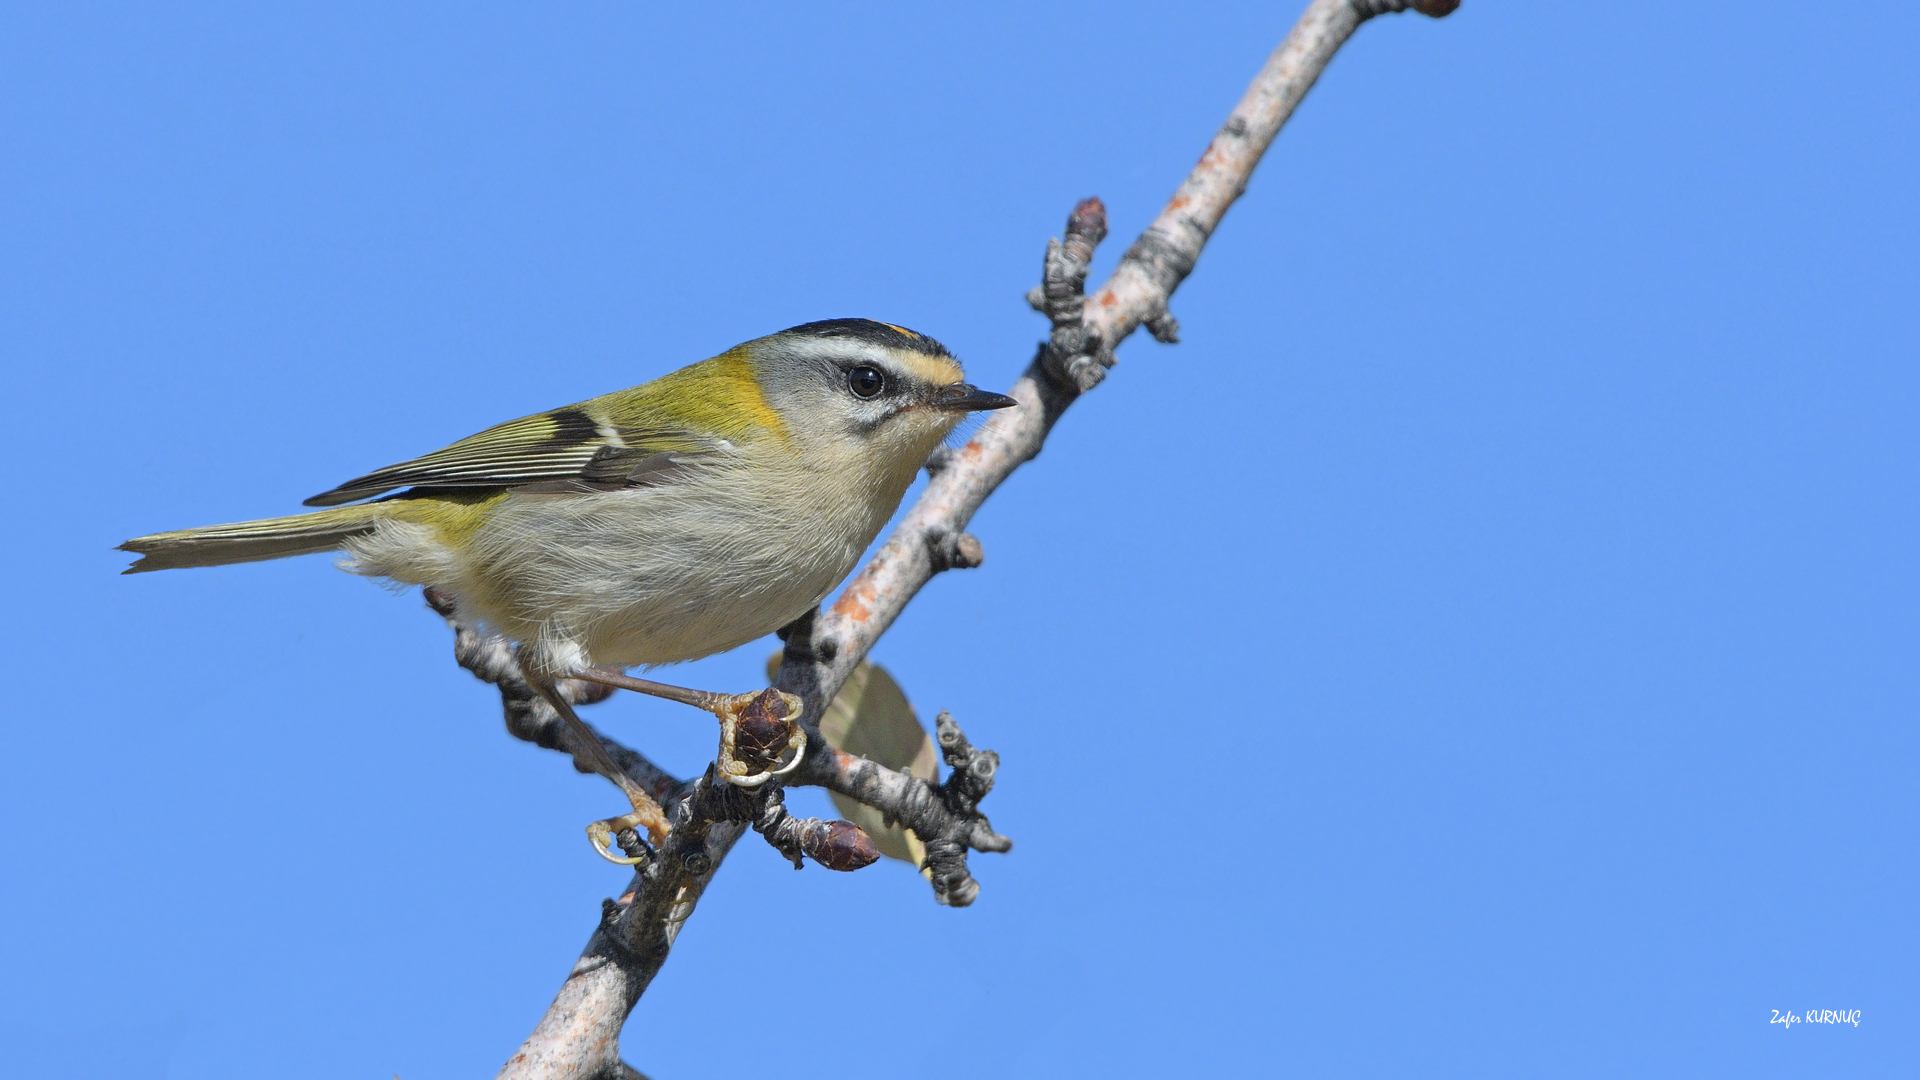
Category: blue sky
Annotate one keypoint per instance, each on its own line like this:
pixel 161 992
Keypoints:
pixel 1485 646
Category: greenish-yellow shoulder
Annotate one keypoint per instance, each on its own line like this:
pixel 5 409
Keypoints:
pixel 720 397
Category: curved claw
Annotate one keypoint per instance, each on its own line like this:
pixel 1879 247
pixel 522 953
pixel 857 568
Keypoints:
pixel 600 835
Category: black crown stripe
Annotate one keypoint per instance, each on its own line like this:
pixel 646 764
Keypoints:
pixel 873 332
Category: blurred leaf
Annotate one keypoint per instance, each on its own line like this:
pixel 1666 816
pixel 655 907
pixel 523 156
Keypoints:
pixel 871 717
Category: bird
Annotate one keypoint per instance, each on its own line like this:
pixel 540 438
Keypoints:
pixel 670 521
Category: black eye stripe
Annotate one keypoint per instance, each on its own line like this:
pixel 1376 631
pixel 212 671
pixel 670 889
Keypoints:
pixel 865 382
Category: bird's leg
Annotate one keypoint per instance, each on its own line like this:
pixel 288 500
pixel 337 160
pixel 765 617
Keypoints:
pixel 699 699
pixel 758 731
pixel 646 812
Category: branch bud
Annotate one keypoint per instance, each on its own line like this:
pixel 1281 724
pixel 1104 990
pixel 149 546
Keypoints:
pixel 839 845
pixel 955 551
pixel 763 731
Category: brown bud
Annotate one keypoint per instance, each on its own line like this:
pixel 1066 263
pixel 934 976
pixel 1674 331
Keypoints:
pixel 840 845
pixel 762 733
pixel 1089 219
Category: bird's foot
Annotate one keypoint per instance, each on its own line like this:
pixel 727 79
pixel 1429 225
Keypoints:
pixel 760 736
pixel 623 831
pixel 760 733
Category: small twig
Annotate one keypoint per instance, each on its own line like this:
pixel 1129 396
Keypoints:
pixel 1074 355
pixel 945 817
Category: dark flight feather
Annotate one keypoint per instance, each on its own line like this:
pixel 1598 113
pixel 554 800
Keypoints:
pixel 557 451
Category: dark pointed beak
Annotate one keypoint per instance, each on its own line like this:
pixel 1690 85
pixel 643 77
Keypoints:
pixel 964 397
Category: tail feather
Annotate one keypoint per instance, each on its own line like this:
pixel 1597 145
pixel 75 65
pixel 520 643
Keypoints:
pixel 252 541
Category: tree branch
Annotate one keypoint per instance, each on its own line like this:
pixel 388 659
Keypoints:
pixel 578 1036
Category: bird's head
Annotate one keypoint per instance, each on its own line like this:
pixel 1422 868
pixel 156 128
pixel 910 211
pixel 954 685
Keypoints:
pixel 860 390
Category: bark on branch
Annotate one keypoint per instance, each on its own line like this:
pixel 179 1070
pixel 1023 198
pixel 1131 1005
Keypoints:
pixel 578 1036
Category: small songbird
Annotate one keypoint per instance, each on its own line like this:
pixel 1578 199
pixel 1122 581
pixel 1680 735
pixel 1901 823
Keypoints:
pixel 668 522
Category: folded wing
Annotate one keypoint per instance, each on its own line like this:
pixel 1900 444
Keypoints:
pixel 564 450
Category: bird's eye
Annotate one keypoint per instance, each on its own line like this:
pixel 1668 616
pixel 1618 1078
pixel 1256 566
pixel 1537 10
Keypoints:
pixel 866 382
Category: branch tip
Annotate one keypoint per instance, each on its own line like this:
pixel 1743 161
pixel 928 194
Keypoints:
pixel 1089 219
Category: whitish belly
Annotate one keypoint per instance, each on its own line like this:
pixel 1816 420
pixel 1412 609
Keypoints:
pixel 657 575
